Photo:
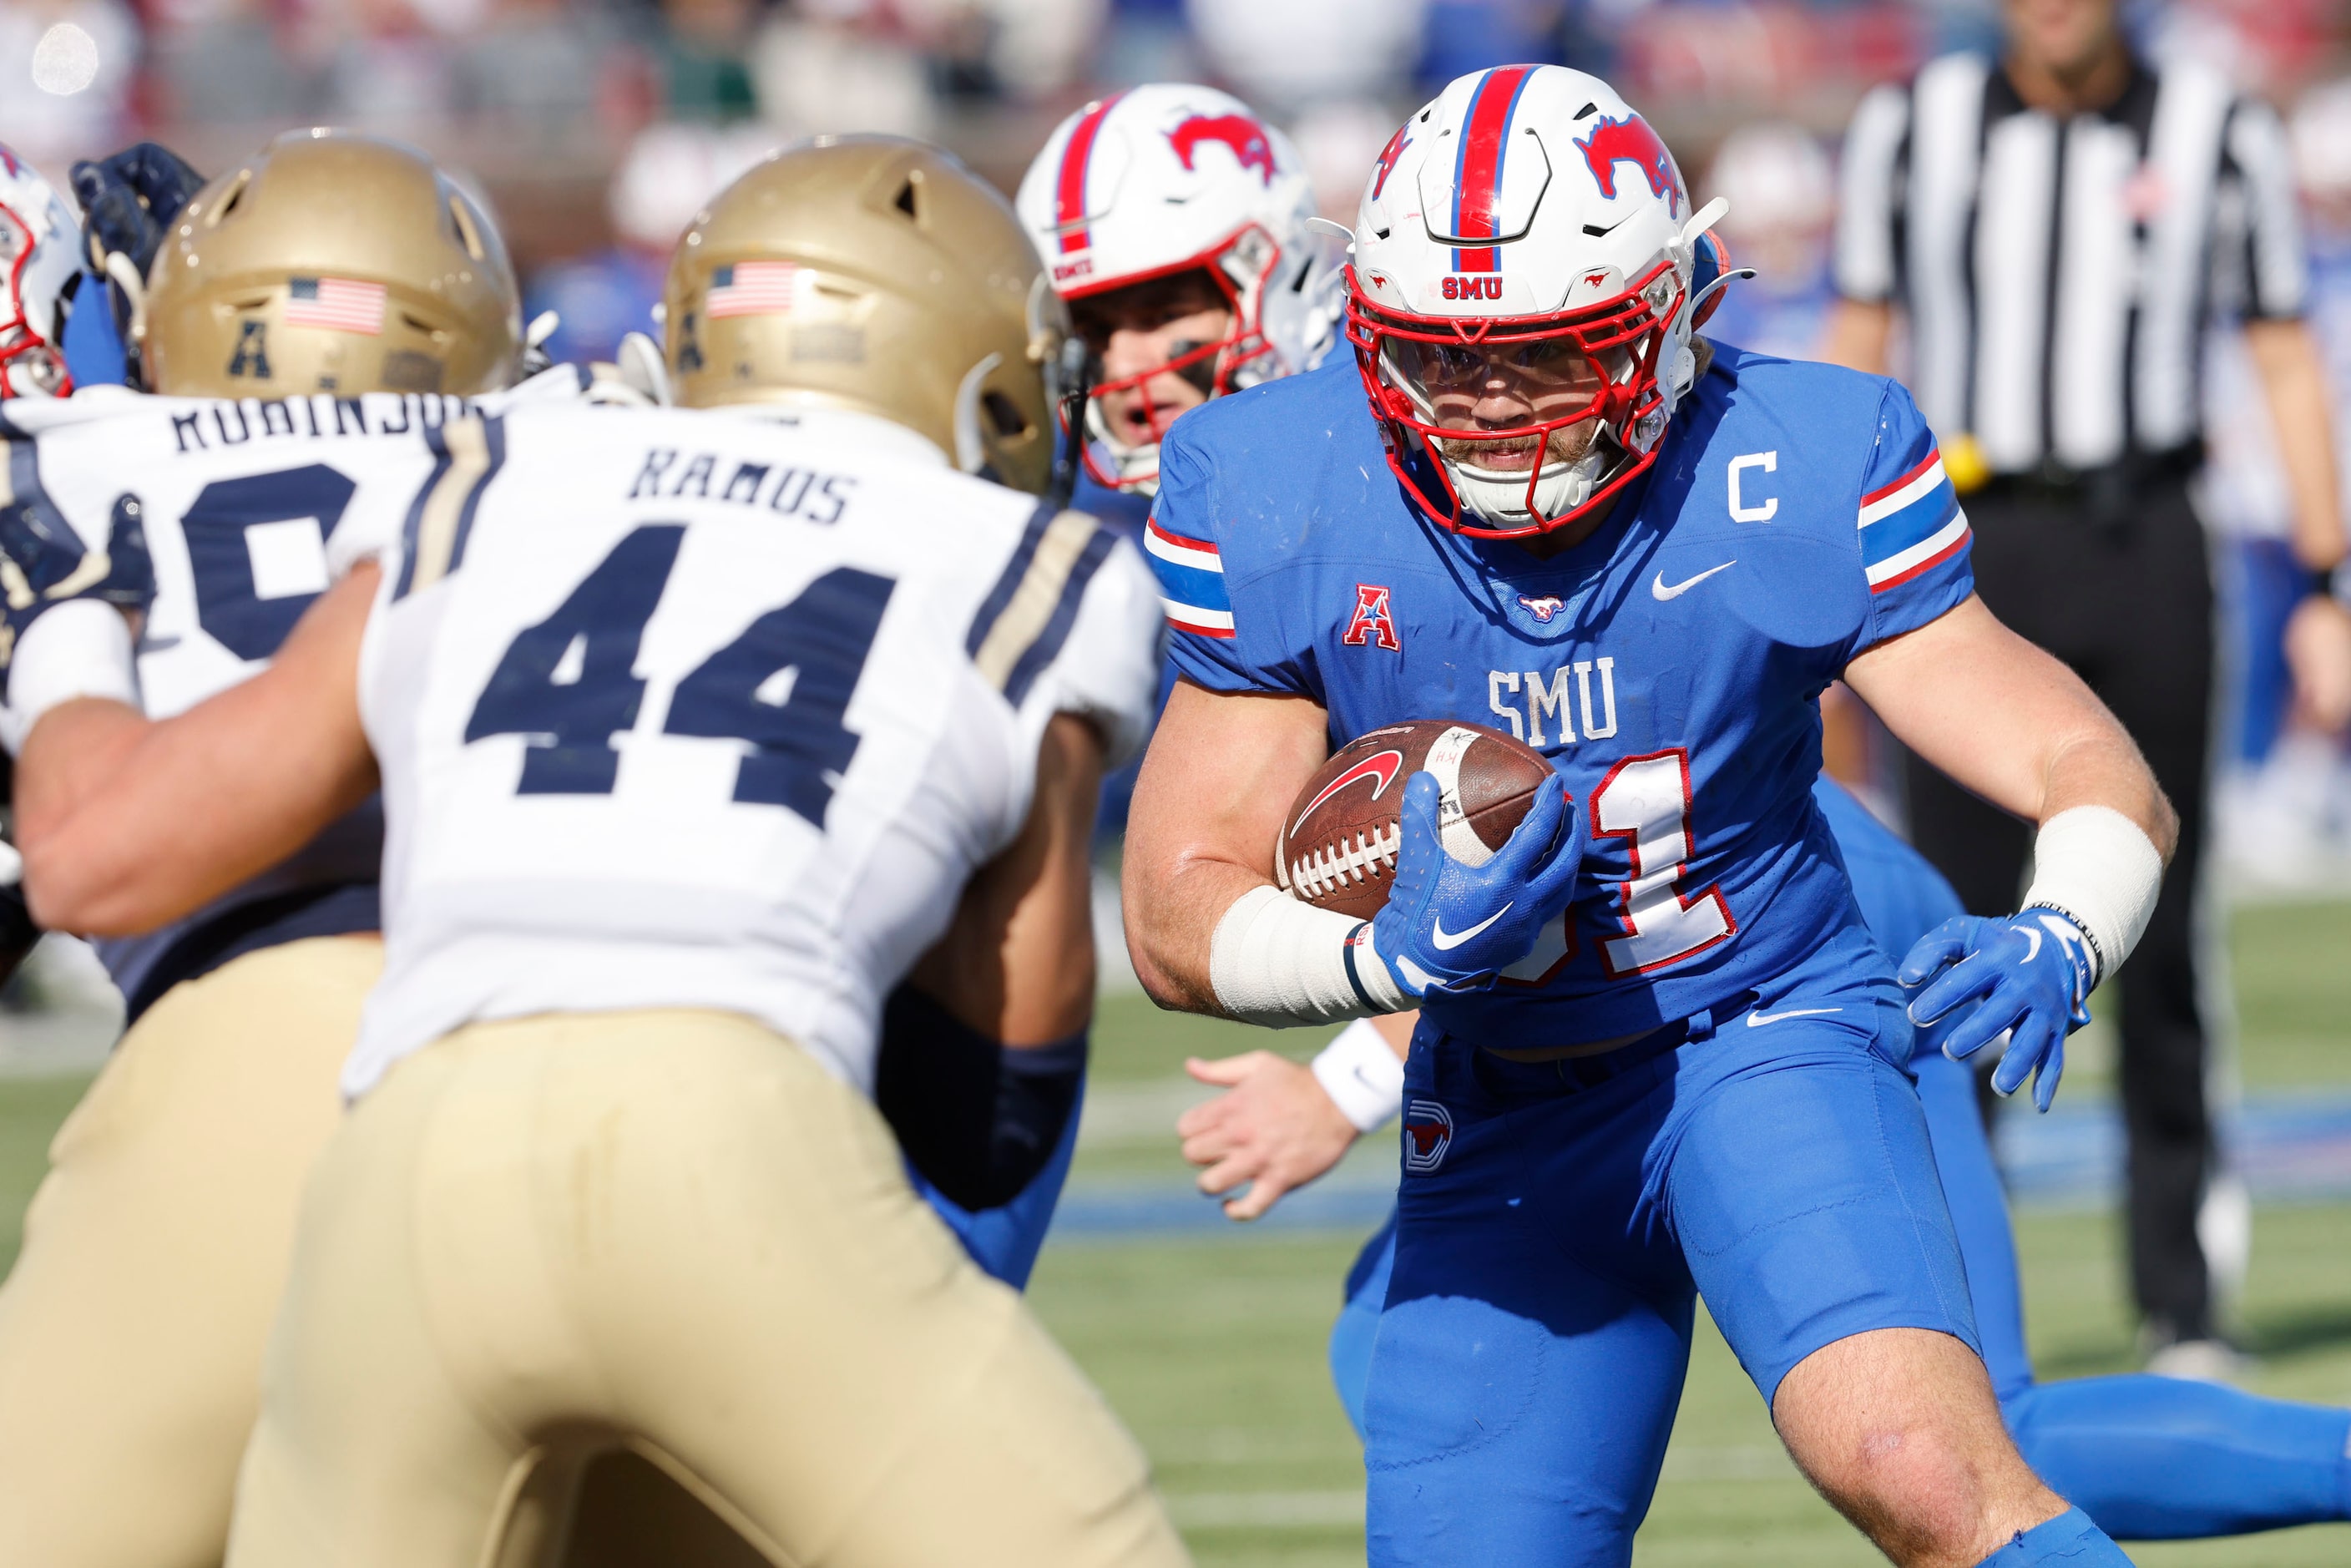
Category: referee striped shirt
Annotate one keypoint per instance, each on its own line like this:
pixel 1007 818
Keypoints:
pixel 2057 274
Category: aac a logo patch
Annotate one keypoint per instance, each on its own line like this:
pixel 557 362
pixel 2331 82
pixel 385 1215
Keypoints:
pixel 1428 1133
pixel 252 356
pixel 1372 621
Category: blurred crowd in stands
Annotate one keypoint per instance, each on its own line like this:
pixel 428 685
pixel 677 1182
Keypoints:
pixel 596 127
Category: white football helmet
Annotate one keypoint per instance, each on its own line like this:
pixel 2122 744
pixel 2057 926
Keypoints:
pixel 1527 213
pixel 1168 178
pixel 40 255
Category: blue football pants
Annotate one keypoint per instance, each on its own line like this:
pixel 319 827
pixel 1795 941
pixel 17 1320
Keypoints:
pixel 1557 1222
pixel 2148 1458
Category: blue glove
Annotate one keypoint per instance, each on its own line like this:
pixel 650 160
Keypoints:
pixel 44 563
pixel 1448 927
pixel 2031 974
pixel 127 203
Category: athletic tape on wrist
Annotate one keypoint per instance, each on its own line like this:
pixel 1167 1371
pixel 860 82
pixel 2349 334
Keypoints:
pixel 77 649
pixel 1277 962
pixel 2098 869
pixel 1362 1076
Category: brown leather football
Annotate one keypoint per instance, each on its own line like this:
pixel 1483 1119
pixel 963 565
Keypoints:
pixel 1338 846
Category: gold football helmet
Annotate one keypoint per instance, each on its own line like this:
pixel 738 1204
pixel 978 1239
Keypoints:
pixel 876 274
pixel 330 262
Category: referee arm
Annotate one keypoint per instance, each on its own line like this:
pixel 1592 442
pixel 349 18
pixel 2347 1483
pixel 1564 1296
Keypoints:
pixel 2319 632
pixel 2285 355
pixel 1867 269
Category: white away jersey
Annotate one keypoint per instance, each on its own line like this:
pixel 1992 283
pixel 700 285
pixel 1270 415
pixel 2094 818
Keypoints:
pixel 716 710
pixel 241 502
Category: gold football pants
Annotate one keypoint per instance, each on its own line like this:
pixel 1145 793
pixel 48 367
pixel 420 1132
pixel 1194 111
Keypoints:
pixel 133 1327
pixel 671 1232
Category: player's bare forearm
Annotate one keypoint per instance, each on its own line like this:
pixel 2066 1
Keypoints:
pixel 1222 768
pixel 2295 380
pixel 169 815
pixel 1856 336
pixel 73 750
pixel 1017 964
pixel 2008 721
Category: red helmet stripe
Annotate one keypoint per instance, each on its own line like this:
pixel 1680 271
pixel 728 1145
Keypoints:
pixel 1478 165
pixel 1070 202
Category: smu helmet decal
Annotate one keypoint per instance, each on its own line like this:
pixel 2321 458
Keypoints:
pixel 1629 139
pixel 1244 136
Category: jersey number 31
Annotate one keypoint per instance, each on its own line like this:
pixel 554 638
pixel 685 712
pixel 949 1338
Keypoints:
pixel 568 683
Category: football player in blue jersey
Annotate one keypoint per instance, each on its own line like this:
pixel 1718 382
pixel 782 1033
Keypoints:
pixel 2147 1457
pixel 1176 225
pixel 1658 1054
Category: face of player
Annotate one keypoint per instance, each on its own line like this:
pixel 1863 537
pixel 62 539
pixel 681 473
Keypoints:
pixel 2064 37
pixel 1135 334
pixel 1474 387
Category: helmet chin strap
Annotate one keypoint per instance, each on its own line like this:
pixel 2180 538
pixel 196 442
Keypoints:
pixel 1134 466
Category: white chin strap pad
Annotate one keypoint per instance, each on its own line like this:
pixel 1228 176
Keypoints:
pixel 1502 499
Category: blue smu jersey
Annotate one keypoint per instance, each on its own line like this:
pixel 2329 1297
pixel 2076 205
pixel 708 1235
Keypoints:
pixel 1669 665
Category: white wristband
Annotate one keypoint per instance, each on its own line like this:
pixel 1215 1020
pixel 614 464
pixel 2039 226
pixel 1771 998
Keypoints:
pixel 2098 869
pixel 1277 962
pixel 77 649
pixel 1362 1076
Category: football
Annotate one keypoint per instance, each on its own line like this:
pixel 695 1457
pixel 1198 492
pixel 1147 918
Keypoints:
pixel 1339 840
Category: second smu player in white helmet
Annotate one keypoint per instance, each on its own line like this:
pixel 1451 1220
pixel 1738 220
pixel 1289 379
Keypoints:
pixel 40 246
pixel 1175 222
pixel 1527 274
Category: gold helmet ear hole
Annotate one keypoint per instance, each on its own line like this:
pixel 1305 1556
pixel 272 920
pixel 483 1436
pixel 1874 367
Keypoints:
pixel 905 202
pixel 1004 414
pixel 229 199
pixel 461 214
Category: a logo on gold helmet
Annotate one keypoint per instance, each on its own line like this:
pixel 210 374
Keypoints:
pixel 330 262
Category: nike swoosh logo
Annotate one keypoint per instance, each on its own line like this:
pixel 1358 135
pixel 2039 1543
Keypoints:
pixel 1759 1018
pixel 1380 767
pixel 1661 589
pixel 1447 940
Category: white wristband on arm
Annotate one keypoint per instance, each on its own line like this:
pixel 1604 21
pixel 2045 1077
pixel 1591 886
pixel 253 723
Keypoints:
pixel 1363 1075
pixel 1279 962
pixel 2098 869
pixel 80 648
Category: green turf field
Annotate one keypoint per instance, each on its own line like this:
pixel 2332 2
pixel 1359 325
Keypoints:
pixel 1212 1346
